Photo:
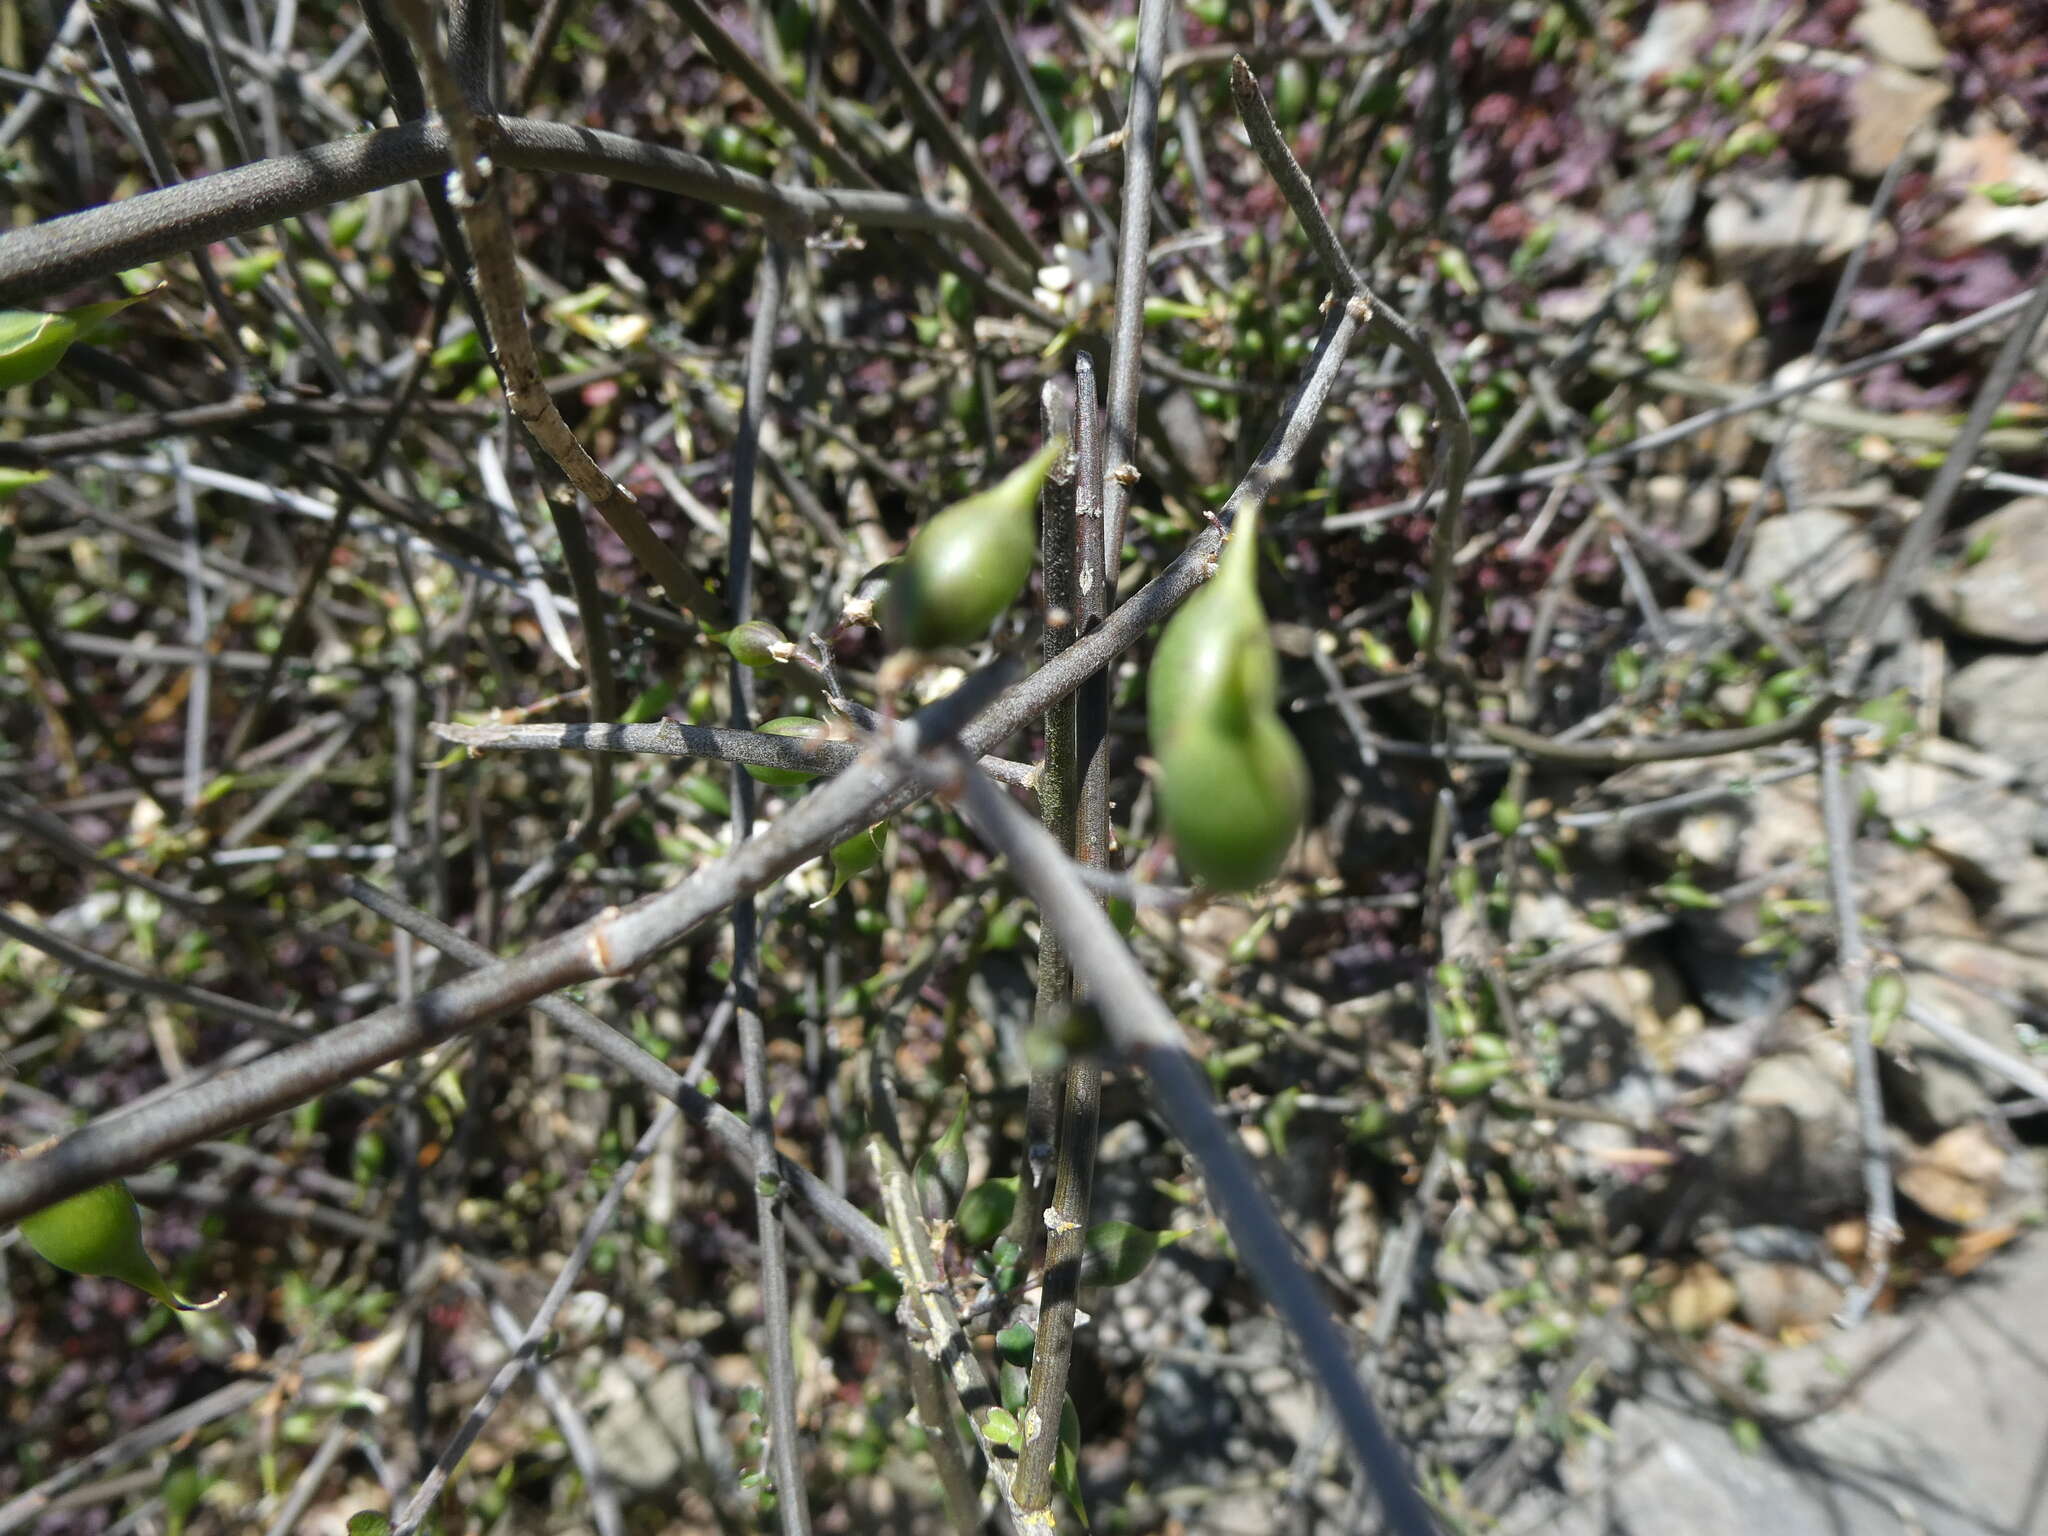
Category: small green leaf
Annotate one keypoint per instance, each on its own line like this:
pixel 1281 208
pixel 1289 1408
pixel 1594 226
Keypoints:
pixel 1469 1079
pixel 31 344
pixel 649 703
pixel 1013 1385
pixel 1066 1467
pixel 1118 1252
pixel 1001 1426
pixel 1884 1000
pixel 1016 1342
pixel 941 1172
pixel 367 1522
pixel 985 1211
pixel 12 480
pixel 1418 619
pixel 1279 1115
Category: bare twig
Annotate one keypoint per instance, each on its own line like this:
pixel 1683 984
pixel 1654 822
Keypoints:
pixel 791 1502
pixel 673 738
pixel 1134 234
pixel 1351 290
pixel 1144 1032
pixel 502 295
pixel 1913 549
pixel 1068 413
pixel 1852 960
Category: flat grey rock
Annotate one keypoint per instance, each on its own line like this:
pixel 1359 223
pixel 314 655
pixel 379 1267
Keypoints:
pixel 2000 704
pixel 1945 1437
pixel 1998 591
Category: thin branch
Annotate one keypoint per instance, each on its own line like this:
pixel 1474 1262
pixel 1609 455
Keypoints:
pixel 1143 1030
pixel 1388 324
pixel 783 1443
pixel 525 1346
pixel 1930 340
pixel 673 738
pixel 502 293
pixel 703 1113
pixel 77 957
pixel 1064 1221
pixel 1668 749
pixel 1134 234
pixel 1069 413
pixel 933 1321
pixel 1926 526
pixel 1852 961
pixel 98 242
pixel 932 121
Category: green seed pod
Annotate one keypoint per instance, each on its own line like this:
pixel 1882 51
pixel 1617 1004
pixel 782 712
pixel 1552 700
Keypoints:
pixel 1469 1079
pixel 968 563
pixel 941 1172
pixel 804 727
pixel 985 1211
pixel 1884 1000
pixel 1507 815
pixel 1116 1252
pixel 99 1233
pixel 345 223
pixel 740 149
pixel 1291 92
pixel 1233 786
pixel 757 644
pixel 857 855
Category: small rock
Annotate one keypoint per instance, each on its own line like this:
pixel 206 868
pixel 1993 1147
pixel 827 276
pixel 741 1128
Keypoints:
pixel 637 1416
pixel 1980 826
pixel 1717 325
pixel 1790 1152
pixel 1817 463
pixel 1887 105
pixel 1997 589
pixel 1950 978
pixel 1810 559
pixel 2000 703
pixel 1956 1177
pixel 1691 515
pixel 1702 1297
pixel 1670 42
pixel 1899 34
pixel 1984 157
pixel 1771 232
pixel 1778 1298
pixel 1355 1239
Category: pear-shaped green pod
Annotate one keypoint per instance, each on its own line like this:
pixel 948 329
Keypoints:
pixel 857 855
pixel 941 1173
pixel 757 644
pixel 1217 643
pixel 1234 798
pixel 969 563
pixel 98 1233
pixel 1233 785
pixel 805 728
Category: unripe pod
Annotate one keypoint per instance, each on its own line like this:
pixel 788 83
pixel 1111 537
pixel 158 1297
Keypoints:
pixel 757 644
pixel 1234 799
pixel 857 855
pixel 941 1173
pixel 801 726
pixel 99 1233
pixel 1233 786
pixel 968 563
